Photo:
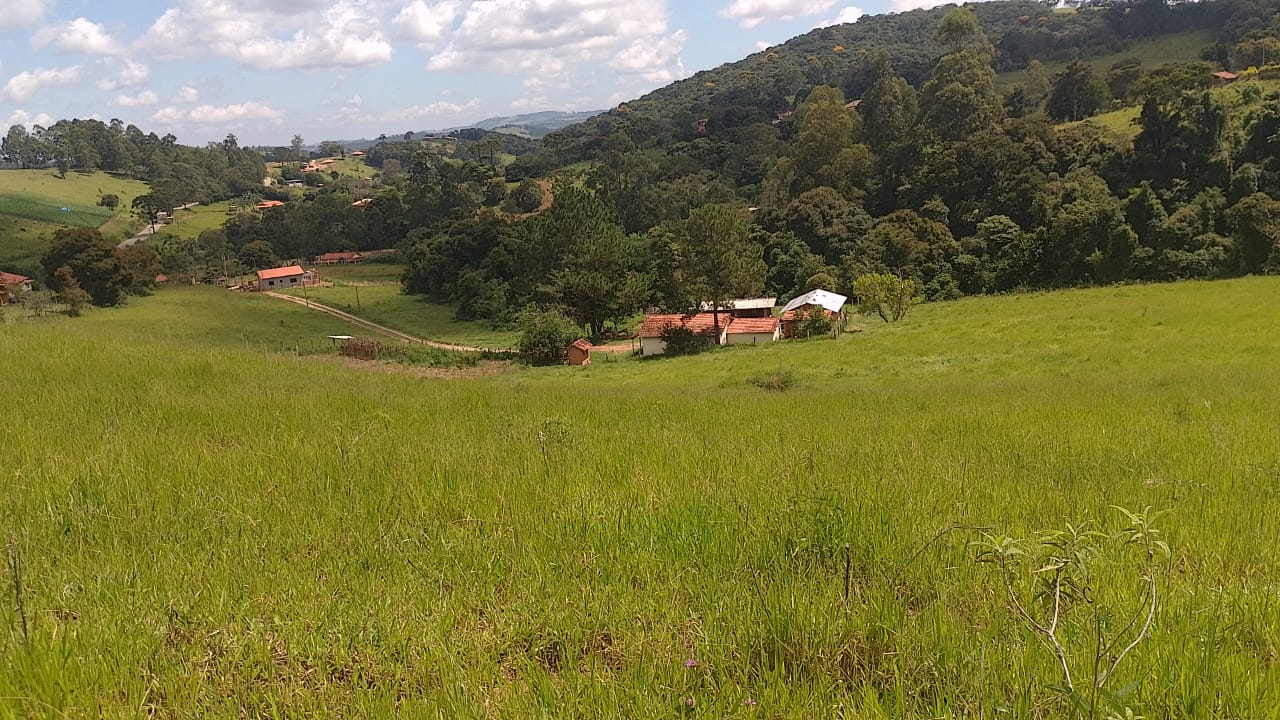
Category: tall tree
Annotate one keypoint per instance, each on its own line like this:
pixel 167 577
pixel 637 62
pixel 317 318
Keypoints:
pixel 960 97
pixel 92 260
pixel 596 281
pixel 1255 223
pixel 721 262
pixel 825 151
pixel 1077 93
pixel 888 109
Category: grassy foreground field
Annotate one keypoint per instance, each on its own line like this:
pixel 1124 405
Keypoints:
pixel 205 530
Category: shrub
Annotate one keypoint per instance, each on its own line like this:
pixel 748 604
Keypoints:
pixel 814 322
pixel 545 335
pixel 776 381
pixel 362 348
pixel 428 356
pixel 681 340
pixel 888 296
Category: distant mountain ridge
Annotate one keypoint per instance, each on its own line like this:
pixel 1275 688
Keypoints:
pixel 534 125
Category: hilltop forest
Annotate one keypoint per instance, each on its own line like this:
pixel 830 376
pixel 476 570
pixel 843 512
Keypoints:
pixel 889 145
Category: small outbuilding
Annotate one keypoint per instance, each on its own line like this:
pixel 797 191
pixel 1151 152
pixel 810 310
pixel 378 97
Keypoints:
pixel 753 331
pixel 580 352
pixel 340 258
pixel 12 285
pixel 283 278
pixel 268 204
pixel 832 305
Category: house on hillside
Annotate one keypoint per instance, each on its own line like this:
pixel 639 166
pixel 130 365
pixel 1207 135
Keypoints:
pixel 753 331
pixel 340 258
pixel 362 203
pixel 744 307
pixel 703 323
pixel 284 278
pixel 580 352
pixel 831 304
pixel 1225 76
pixel 12 285
pixel 268 204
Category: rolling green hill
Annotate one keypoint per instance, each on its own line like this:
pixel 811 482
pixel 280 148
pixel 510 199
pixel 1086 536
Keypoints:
pixel 207 530
pixel 773 80
pixel 35 203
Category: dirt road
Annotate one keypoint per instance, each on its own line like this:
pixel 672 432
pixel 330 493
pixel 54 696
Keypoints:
pixel 367 325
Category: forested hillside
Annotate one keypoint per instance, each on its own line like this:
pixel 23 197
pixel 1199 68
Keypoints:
pixel 753 90
pixel 885 146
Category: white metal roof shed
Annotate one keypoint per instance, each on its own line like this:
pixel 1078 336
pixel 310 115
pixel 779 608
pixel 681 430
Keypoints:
pixel 828 300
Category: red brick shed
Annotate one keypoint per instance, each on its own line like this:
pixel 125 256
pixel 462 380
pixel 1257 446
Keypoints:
pixel 580 352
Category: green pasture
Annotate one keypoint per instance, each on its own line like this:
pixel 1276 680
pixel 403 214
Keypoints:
pixel 1121 125
pixel 22 242
pixel 365 272
pixel 386 305
pixel 217 320
pixel 31 209
pixel 81 189
pixel 204 529
pixel 1151 53
pixel 188 224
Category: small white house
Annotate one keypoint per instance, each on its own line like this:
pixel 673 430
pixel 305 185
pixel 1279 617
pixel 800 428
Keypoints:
pixel 284 278
pixel 753 331
pixel 651 342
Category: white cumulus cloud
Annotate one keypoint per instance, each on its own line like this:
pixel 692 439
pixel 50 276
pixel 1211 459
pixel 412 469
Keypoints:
pixel 186 95
pixel 23 13
pixel 430 111
pixel 131 73
pixel 846 15
pixel 276 35
pixel 652 60
pixel 750 13
pixel 146 97
pixel 218 114
pixel 78 36
pixel 556 44
pixel 26 84
pixel 22 117
pixel 427 23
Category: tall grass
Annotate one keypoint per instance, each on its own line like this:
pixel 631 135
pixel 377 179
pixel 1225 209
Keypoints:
pixel 210 531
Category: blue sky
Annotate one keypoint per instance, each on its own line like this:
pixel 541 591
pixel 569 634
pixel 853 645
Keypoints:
pixel 344 69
